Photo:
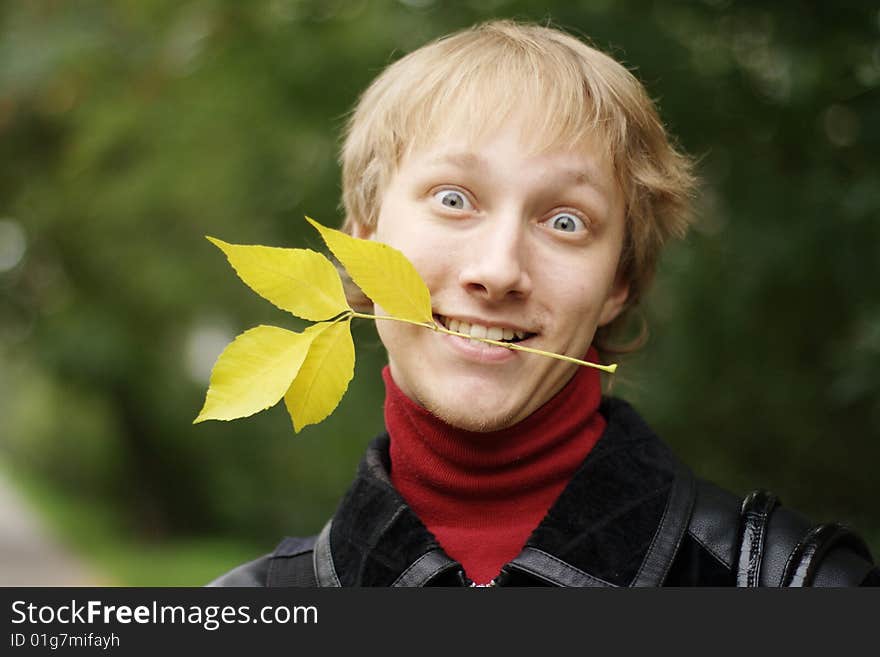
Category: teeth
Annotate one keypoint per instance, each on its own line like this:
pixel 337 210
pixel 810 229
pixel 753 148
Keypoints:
pixel 480 331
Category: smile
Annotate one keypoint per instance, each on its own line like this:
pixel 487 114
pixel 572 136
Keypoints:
pixel 475 330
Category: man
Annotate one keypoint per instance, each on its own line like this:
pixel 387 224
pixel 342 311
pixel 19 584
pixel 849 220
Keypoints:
pixel 529 179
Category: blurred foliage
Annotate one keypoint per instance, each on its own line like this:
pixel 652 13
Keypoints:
pixel 129 130
pixel 108 552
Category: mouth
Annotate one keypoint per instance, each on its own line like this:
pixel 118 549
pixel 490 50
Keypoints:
pixel 498 332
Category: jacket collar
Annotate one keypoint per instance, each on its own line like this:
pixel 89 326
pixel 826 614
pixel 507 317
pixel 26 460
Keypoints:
pixel 618 522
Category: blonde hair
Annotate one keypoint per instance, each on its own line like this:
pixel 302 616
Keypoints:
pixel 473 80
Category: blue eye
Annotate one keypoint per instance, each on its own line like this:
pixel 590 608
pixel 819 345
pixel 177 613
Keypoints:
pixel 452 199
pixel 566 222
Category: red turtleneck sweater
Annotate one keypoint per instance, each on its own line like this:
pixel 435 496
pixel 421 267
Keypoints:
pixel 482 494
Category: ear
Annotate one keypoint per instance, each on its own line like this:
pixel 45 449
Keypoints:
pixel 615 302
pixel 362 231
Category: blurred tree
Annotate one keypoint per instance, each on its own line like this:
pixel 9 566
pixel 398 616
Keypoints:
pixel 130 130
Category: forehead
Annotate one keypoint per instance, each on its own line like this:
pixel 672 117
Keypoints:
pixel 515 143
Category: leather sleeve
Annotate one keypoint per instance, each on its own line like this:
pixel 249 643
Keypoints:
pixel 714 521
pixel 873 578
pixel 715 526
pixel 842 567
pixel 252 573
pixel 785 529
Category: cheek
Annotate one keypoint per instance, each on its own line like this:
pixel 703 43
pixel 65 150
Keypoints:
pixel 581 296
pixel 387 333
pixel 432 270
pixel 431 259
pixel 399 230
pixel 399 340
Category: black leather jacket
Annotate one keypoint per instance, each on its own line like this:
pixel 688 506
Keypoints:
pixel 632 515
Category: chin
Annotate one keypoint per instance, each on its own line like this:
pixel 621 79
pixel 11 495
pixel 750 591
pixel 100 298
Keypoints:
pixel 471 419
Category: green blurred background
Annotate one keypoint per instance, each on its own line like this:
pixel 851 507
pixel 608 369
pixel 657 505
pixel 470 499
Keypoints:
pixel 131 129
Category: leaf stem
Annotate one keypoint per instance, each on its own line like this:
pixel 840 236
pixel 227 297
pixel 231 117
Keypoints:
pixel 507 345
pixel 428 325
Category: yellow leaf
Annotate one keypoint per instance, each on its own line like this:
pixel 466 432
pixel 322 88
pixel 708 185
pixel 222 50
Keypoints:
pixel 382 272
pixel 253 372
pixel 300 281
pixel 324 375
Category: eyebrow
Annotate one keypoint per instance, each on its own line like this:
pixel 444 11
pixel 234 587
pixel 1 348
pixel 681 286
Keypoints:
pixel 472 161
pixel 463 159
pixel 581 177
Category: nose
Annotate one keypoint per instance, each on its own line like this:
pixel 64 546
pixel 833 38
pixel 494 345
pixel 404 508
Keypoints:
pixel 497 267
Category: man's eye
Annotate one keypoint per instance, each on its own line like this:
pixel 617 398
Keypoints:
pixel 452 199
pixel 566 222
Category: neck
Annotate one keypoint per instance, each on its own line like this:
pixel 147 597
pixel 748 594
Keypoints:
pixel 482 494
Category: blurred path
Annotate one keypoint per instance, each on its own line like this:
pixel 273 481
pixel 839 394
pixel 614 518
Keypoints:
pixel 29 555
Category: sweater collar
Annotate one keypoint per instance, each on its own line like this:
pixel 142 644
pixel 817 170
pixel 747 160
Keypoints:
pixel 616 522
pixel 566 411
pixel 482 493
pixel 427 449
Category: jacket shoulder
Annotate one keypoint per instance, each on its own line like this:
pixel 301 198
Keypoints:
pixel 253 573
pixel 290 564
pixel 716 527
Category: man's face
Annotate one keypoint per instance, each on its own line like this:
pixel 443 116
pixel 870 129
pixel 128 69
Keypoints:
pixel 512 245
